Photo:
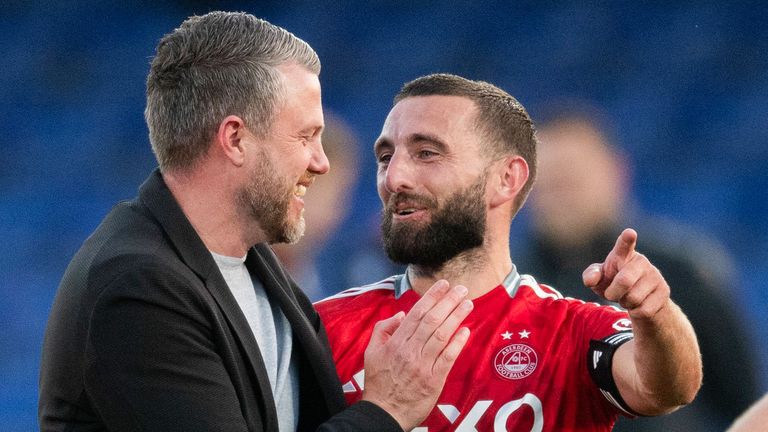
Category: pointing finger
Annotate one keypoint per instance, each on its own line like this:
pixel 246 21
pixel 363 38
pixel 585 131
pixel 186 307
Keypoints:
pixel 625 245
pixel 599 276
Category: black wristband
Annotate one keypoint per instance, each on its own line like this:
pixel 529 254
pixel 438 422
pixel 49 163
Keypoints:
pixel 600 365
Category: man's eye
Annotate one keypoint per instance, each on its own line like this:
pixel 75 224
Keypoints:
pixel 426 154
pixel 384 158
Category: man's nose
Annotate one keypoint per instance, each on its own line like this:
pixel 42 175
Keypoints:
pixel 399 173
pixel 319 163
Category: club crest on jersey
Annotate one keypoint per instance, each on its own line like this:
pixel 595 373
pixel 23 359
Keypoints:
pixel 515 361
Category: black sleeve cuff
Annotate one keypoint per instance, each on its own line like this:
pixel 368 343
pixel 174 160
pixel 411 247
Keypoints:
pixel 362 416
pixel 600 365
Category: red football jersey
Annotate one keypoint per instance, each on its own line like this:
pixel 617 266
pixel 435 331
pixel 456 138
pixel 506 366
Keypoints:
pixel 524 367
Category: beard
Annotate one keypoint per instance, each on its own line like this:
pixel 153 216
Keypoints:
pixel 266 199
pixel 458 226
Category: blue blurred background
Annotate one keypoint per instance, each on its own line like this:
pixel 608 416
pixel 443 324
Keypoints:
pixel 686 86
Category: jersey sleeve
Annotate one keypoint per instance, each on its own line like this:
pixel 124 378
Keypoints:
pixel 602 321
pixel 604 329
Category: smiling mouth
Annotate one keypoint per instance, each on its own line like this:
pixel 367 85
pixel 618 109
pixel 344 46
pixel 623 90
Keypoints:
pixel 299 190
pixel 409 205
pixel 409 213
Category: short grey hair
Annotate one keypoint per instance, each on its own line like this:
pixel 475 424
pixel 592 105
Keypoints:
pixel 212 66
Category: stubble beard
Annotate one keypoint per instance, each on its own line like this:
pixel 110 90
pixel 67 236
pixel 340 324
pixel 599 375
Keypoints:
pixel 266 199
pixel 456 227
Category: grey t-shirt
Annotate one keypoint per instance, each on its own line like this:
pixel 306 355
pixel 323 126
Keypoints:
pixel 273 335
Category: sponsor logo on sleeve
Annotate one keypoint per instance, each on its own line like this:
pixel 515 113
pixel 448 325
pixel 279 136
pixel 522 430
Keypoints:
pixel 623 324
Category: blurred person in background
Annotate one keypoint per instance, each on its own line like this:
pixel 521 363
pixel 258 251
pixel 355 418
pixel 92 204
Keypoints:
pixel 755 419
pixel 326 209
pixel 580 204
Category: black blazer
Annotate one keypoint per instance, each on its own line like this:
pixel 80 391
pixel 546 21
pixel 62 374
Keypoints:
pixel 145 335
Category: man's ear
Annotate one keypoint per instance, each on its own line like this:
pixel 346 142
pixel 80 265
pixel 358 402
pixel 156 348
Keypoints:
pixel 229 139
pixel 510 175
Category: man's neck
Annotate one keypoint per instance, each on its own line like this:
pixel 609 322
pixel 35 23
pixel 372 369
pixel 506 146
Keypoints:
pixel 213 213
pixel 478 269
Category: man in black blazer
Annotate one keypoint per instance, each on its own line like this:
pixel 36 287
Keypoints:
pixel 147 333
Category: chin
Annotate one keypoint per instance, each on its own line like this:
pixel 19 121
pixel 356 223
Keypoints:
pixel 294 232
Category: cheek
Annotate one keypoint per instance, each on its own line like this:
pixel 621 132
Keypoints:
pixel 381 188
pixel 295 170
pixel 302 159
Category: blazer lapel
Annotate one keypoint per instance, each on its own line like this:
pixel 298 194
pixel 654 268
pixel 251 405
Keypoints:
pixel 158 198
pixel 277 285
pixel 237 321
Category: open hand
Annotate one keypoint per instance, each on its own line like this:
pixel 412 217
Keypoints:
pixel 409 356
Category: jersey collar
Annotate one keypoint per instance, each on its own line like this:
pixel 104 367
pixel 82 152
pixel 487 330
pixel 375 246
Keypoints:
pixel 510 283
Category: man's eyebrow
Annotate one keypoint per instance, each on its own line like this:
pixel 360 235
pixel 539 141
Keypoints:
pixel 381 144
pixel 432 139
pixel 312 130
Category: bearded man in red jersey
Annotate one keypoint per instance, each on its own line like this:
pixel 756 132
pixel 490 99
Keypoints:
pixel 456 160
